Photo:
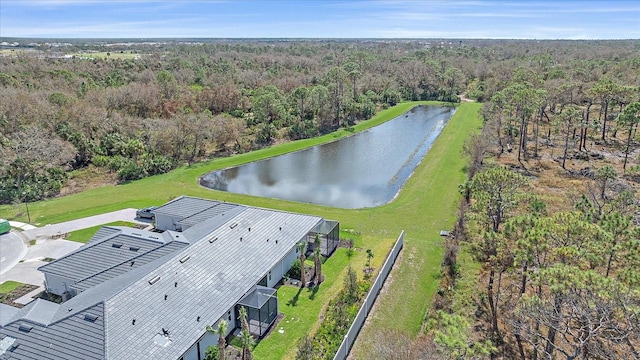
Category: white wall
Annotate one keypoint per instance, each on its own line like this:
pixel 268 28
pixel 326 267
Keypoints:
pixel 166 222
pixel 281 268
pixel 209 339
pixel 58 285
pixel 192 354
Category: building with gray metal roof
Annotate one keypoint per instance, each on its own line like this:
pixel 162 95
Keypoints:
pixel 158 303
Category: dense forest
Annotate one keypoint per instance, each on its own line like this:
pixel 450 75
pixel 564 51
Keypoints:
pixel 550 209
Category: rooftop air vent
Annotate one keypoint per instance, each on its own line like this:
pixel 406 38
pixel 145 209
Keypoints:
pixel 184 259
pixel 90 317
pixel 25 328
pixel 117 246
pixel 154 280
pixel 134 248
pixel 212 240
pixel 233 226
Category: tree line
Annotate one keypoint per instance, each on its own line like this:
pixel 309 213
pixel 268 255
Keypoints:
pixel 178 103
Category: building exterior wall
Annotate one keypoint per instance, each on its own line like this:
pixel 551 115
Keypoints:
pixel 166 222
pixel 208 339
pixel 58 285
pixel 280 269
pixel 192 354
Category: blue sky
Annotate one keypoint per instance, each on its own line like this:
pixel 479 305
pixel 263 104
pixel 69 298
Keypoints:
pixel 558 19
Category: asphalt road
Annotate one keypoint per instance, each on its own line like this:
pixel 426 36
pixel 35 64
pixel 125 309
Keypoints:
pixel 12 250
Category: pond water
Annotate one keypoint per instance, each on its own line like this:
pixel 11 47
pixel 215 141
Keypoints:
pixel 364 170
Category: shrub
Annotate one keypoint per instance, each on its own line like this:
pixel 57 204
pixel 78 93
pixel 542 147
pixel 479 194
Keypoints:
pixel 294 271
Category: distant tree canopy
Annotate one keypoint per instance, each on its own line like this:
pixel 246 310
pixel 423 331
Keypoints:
pixel 180 103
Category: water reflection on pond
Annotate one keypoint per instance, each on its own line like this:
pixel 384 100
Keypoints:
pixel 363 170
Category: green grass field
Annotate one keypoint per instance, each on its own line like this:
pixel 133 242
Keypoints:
pixel 83 235
pixel 426 204
pixel 8 286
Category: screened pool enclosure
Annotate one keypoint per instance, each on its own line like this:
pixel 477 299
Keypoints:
pixel 262 309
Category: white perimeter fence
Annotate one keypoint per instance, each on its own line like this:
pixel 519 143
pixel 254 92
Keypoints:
pixel 367 304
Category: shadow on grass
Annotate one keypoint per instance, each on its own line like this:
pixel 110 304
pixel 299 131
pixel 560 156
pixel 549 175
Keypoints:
pixel 294 300
pixel 314 291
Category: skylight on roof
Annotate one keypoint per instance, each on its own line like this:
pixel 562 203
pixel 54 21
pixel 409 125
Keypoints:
pixel 162 340
pixel 117 246
pixel 6 344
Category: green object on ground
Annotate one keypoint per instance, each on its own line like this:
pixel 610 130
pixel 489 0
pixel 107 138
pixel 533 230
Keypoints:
pixel 4 226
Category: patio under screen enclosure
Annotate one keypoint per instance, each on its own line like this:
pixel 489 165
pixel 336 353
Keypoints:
pixel 262 309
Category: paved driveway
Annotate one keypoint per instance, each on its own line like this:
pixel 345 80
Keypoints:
pixel 12 249
pixel 65 227
pixel 20 261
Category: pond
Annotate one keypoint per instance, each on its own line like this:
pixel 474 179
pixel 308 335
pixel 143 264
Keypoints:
pixel 364 170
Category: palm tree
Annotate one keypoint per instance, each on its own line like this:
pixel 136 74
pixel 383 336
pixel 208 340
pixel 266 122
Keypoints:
pixel 243 318
pixel 369 256
pixel 247 342
pixel 221 331
pixel 317 259
pixel 301 248
pixel 245 335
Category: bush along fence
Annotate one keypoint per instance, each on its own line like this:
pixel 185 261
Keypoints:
pixel 367 304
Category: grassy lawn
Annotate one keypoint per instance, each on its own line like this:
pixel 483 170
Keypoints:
pixel 426 205
pixel 83 235
pixel 302 308
pixel 8 286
